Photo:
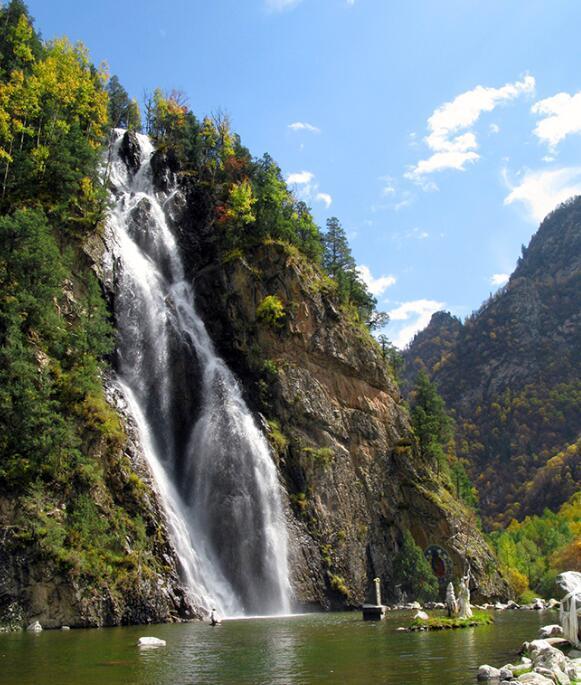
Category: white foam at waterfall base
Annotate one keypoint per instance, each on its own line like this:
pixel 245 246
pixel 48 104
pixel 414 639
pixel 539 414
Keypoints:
pixel 211 464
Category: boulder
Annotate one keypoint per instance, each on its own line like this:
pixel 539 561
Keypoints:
pixel 534 679
pixel 421 615
pixel 506 673
pixel 150 642
pixel 546 657
pixel 538 604
pixel 487 672
pixel 130 151
pixel 553 630
pixel 34 627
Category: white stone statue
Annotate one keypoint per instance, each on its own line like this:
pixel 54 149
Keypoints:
pixel 570 612
pixel 464 608
pixel 451 603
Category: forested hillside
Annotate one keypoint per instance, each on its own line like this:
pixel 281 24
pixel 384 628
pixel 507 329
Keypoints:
pixel 511 376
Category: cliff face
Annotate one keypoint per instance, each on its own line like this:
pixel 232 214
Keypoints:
pixel 339 432
pixel 337 425
pixel 511 374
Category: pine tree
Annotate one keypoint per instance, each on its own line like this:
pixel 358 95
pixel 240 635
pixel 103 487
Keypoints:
pixel 133 116
pixel 432 425
pixel 337 257
pixel 412 571
pixel 119 104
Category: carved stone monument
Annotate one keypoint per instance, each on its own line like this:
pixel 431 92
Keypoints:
pixel 464 608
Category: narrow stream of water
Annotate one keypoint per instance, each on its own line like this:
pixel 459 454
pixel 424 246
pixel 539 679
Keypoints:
pixel 298 650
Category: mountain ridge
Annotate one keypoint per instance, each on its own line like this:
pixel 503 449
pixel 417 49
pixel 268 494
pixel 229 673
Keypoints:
pixel 510 372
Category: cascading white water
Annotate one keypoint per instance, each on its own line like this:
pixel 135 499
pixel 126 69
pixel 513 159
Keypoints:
pixel 211 463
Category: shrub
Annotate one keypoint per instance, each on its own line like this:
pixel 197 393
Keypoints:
pixel 271 311
pixel 339 585
pixel 277 437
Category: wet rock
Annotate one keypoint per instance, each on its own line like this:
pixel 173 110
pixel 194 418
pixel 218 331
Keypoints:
pixel 130 151
pixel 164 165
pixel 34 627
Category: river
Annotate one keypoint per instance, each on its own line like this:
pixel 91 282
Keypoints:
pixel 296 650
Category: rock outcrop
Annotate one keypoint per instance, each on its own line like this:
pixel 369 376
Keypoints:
pixel 339 428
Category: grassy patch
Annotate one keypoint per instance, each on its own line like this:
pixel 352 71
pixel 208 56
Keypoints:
pixel 320 455
pixel 277 437
pixel 480 618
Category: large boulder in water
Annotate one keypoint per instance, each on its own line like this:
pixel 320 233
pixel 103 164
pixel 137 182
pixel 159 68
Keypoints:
pixel 151 642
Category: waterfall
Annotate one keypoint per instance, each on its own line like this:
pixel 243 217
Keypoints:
pixel 211 464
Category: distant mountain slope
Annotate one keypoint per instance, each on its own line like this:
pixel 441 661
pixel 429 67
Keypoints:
pixel 510 374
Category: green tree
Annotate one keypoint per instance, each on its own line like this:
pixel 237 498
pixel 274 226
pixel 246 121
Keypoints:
pixel 133 116
pixel 432 425
pixel 19 43
pixel 412 571
pixel 118 107
pixel 337 257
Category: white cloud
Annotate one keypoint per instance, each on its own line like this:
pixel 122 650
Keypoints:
pixel 325 198
pixel 388 187
pixel 300 178
pixel 376 286
pixel 418 313
pixel 308 188
pixel 304 126
pixel 450 139
pixel 440 161
pixel 561 116
pixel 494 128
pixel 281 5
pixel 414 234
pixel 542 191
pixel 499 279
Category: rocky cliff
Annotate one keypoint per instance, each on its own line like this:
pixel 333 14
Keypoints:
pixel 333 412
pixel 511 375
pixel 96 550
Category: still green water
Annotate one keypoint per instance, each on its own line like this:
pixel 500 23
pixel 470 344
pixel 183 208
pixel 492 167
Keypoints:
pixel 315 648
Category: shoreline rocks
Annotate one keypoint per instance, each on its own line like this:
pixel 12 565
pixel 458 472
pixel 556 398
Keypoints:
pixel 543 664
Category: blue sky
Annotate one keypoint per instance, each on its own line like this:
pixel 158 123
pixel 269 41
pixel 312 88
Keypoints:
pixel 439 132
